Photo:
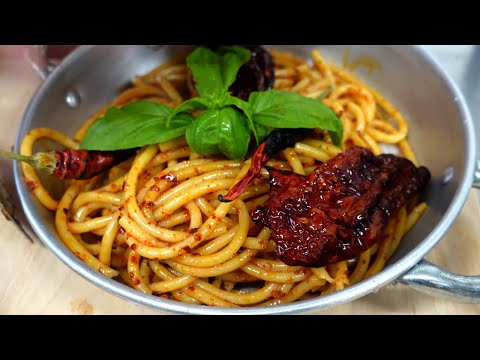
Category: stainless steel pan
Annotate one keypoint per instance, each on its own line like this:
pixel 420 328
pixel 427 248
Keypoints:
pixel 441 133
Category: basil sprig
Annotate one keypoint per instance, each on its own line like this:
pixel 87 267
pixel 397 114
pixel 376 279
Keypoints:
pixel 225 122
pixel 136 124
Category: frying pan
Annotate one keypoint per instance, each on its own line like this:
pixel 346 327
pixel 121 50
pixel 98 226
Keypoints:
pixel 409 77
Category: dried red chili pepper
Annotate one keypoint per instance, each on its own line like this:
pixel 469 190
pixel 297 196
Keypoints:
pixel 72 164
pixel 277 140
pixel 255 75
pixel 341 208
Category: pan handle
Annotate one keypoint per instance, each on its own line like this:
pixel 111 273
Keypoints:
pixel 433 280
pixel 430 279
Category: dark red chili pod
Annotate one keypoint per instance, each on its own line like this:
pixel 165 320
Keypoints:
pixel 277 140
pixel 85 164
pixel 256 75
pixel 72 164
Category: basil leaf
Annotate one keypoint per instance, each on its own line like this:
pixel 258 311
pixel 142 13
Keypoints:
pixel 136 124
pixel 247 111
pixel 220 131
pixel 336 137
pixel 189 105
pixel 282 109
pixel 205 67
pixel 261 131
pixel 232 58
pixel 215 72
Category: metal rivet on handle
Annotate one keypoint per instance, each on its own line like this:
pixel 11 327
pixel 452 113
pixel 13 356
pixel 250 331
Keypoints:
pixel 72 99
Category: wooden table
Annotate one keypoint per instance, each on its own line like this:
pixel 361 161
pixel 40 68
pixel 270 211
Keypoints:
pixel 34 281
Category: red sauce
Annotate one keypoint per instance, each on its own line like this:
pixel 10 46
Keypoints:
pixel 31 184
pixel 135 280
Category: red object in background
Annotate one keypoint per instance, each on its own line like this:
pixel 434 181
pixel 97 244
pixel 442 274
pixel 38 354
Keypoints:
pixel 58 52
pixel 40 58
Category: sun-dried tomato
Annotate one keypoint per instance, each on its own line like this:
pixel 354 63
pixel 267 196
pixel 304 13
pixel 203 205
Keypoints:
pixel 341 208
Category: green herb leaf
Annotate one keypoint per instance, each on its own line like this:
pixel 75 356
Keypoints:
pixel 136 124
pixel 231 59
pixel 281 109
pixel 261 131
pixel 220 131
pixel 189 105
pixel 205 67
pixel 214 72
pixel 247 111
pixel 336 137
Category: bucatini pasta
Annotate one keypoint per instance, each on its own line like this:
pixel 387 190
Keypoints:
pixel 155 222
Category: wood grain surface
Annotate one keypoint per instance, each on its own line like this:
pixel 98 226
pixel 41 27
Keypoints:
pixel 34 281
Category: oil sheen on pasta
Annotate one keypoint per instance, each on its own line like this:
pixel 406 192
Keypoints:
pixel 155 223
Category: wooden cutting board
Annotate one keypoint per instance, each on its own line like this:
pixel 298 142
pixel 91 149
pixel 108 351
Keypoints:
pixel 34 281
